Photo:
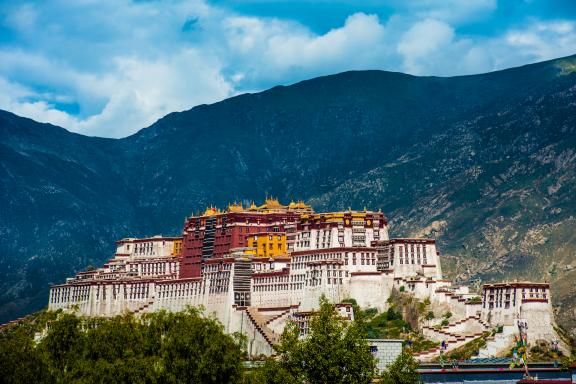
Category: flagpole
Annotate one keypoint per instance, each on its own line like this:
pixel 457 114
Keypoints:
pixel 523 330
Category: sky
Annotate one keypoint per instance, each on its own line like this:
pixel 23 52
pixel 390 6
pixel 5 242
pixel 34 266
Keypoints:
pixel 111 67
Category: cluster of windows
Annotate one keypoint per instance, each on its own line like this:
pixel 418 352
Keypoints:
pixel 154 268
pixel 70 294
pixel 303 239
pixel 270 283
pixel 385 257
pixel 82 292
pixel 349 258
pixel 177 248
pixel 535 293
pixel 219 281
pixel 332 272
pixel 413 254
pixel 297 281
pixel 133 291
pixel 362 258
pixel 506 297
pixel 323 241
pixel 145 249
pixel 217 267
pixel 358 238
pixel 300 262
pixel 130 291
pixel 260 266
pixel 188 289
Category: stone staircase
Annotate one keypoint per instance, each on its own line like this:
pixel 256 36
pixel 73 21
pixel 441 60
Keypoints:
pixel 500 343
pixel 457 329
pixel 451 344
pixel 143 308
pixel 455 335
pixel 278 316
pixel 260 323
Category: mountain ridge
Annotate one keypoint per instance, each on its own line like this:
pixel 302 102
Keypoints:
pixel 442 153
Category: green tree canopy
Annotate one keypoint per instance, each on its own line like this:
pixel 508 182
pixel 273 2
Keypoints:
pixel 402 371
pixel 162 347
pixel 334 351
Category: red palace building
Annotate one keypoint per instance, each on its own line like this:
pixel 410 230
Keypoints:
pixel 213 234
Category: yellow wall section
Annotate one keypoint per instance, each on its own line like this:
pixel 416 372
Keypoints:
pixel 269 244
pixel 177 248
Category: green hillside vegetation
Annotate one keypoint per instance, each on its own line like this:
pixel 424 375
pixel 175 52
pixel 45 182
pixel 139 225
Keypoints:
pixel 400 321
pixel 161 347
pixel 468 350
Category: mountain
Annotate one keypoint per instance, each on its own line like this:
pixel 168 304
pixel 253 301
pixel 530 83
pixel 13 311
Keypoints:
pixel 484 163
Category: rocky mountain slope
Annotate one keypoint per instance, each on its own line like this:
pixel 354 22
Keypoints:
pixel 483 163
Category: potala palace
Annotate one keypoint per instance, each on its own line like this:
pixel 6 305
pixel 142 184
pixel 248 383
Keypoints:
pixel 257 267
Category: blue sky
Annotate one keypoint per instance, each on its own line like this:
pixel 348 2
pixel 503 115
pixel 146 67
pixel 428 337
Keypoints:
pixel 111 67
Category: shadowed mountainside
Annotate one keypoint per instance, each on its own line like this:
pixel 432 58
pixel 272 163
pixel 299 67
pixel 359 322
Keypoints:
pixel 484 163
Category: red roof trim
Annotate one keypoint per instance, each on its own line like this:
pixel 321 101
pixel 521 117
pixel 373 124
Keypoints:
pixel 377 273
pixel 284 271
pixel 520 284
pixel 334 250
pixel 487 370
pixel 146 240
pixel 534 300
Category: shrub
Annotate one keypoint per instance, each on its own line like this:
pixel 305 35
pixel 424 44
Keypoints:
pixel 391 315
pixel 404 370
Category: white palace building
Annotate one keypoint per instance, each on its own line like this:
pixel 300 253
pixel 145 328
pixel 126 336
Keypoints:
pixel 255 268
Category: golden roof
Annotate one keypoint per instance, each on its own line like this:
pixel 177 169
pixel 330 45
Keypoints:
pixel 211 211
pixel 235 207
pixel 271 203
pixel 301 205
pixel 253 207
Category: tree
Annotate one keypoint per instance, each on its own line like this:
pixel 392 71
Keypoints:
pixel 115 351
pixel 64 343
pixel 195 349
pixel 20 361
pixel 404 370
pixel 271 372
pixel 334 351
pixel 162 347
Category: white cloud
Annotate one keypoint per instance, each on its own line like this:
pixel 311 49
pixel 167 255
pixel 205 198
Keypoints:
pixel 421 40
pixel 542 40
pixel 431 47
pixel 123 65
pixel 145 91
pixel 275 51
pixel 23 101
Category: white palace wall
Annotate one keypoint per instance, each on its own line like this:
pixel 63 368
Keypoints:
pixel 230 288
